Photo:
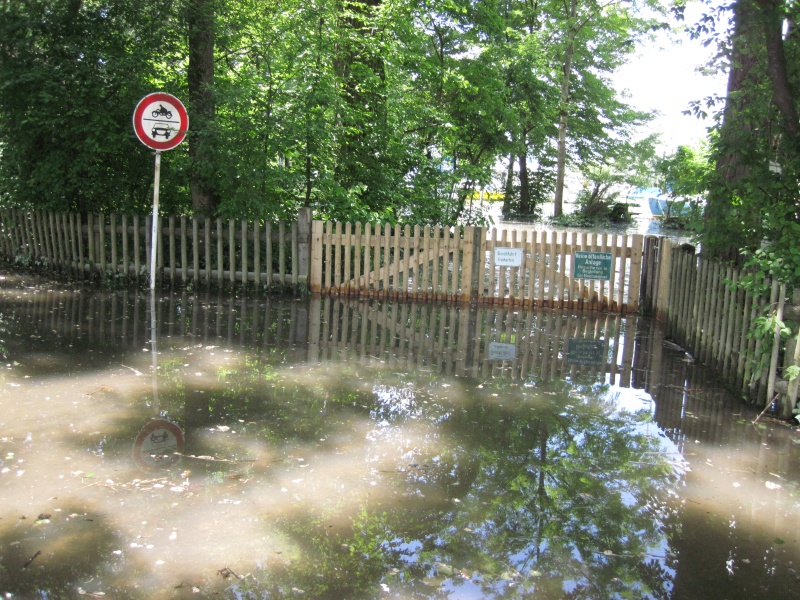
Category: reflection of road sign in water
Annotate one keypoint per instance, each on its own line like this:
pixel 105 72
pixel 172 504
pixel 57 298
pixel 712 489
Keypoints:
pixel 585 353
pixel 158 444
pixel 160 121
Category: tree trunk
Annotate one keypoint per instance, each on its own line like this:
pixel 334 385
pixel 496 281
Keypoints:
pixel 508 195
pixel 524 184
pixel 561 159
pixel 783 95
pixel 200 75
pixel 736 136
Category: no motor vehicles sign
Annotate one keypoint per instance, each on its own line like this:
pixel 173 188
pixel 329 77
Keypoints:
pixel 160 121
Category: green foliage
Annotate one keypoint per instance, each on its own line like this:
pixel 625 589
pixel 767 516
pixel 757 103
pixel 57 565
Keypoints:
pixel 684 174
pixel 369 111
pixel 755 149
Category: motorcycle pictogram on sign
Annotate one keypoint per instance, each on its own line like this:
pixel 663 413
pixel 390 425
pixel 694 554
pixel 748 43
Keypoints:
pixel 160 121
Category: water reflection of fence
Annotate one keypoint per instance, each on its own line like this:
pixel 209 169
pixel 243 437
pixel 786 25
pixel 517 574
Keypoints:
pixel 461 341
pixel 121 320
pixel 478 342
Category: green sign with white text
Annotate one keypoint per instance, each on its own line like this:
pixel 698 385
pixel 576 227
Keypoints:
pixel 592 265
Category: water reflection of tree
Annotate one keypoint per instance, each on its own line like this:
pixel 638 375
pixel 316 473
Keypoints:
pixel 530 489
pixel 561 502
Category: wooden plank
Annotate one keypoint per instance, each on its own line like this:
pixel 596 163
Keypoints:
pixel 195 249
pixel 467 265
pixel 347 254
pixel 114 257
pixel 725 319
pixel 637 245
pixel 245 257
pixel 604 293
pixel 90 248
pixel 315 283
pixel 357 258
pixel 665 281
pixel 295 268
pixel 172 252
pixel 395 262
pixel 365 283
pixel 623 269
pixel 733 348
pixel 70 224
pixel 777 299
pixel 126 259
pixel 562 269
pixel 415 264
pixel 184 251
pixel 712 324
pixel 405 249
pixel 160 247
pixel 436 244
pixel 232 251
pixel 491 283
pixel 502 272
pixel 148 241
pixel 552 290
pixel 207 233
pixel 27 239
pixel 282 251
pixel 513 272
pixel 257 256
pixel 220 253
pixel 387 261
pixel 270 269
pixel 99 240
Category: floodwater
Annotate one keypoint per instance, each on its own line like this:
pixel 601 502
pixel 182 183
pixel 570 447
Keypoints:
pixel 198 445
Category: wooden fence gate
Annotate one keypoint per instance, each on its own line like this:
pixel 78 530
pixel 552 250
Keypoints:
pixel 523 268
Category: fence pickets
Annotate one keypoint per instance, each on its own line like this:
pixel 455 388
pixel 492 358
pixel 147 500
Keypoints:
pixel 704 310
pixel 451 264
pixel 437 264
pixel 190 249
pixel 712 318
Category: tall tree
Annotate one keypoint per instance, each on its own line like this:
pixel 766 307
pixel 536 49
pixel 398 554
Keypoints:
pixel 754 189
pixel 201 19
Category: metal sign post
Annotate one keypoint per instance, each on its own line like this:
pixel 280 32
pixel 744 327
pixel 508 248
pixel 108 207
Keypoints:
pixel 154 229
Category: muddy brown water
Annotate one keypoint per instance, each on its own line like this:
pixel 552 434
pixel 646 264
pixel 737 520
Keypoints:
pixel 257 448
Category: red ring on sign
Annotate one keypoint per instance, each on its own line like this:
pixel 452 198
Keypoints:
pixel 158 444
pixel 157 125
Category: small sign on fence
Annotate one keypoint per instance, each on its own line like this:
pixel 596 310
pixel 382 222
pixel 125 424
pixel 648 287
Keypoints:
pixel 592 265
pixel 508 257
pixel 583 352
pixel 502 351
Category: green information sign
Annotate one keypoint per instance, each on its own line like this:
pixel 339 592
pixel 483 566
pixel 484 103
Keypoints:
pixel 583 352
pixel 592 265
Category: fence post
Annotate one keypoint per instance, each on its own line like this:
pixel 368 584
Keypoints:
pixel 478 258
pixel 315 276
pixel 303 244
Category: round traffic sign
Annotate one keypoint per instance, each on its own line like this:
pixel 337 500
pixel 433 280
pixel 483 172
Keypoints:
pixel 158 444
pixel 160 121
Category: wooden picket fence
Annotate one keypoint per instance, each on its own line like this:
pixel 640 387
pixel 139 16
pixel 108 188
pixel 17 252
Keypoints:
pixel 522 268
pixel 190 249
pixel 712 318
